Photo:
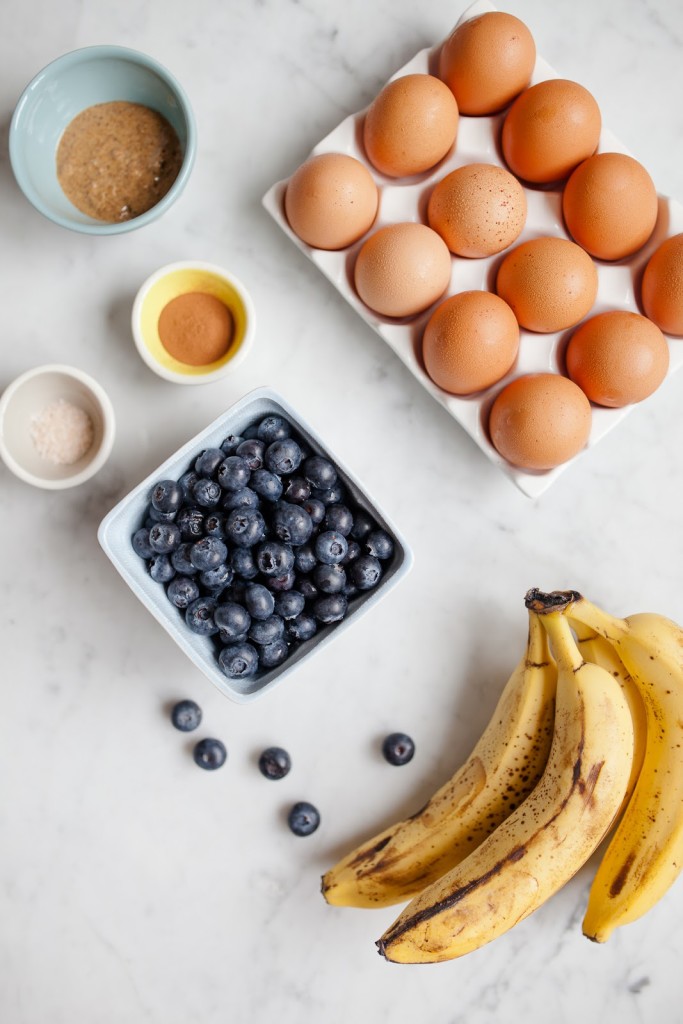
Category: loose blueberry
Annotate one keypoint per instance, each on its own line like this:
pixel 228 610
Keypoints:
pixel 208 553
pixel 199 616
pixel 231 444
pixel 267 631
pixel 187 482
pixel 303 819
pixel 243 497
pixel 365 572
pixel 186 715
pixel 330 547
pixel 167 496
pixel 292 523
pixel 315 509
pixel 210 754
pixel 303 627
pixel 217 579
pixel 330 608
pixel 379 544
pixel 160 568
pixel 273 428
pixel 258 601
pixel 320 472
pixel 274 763
pixel 190 522
pixel 252 452
pixel 289 604
pixel 339 518
pixel 232 619
pixel 245 527
pixel 181 561
pixel 330 579
pixel 304 558
pixel 238 661
pixel 283 457
pixel 274 558
pixel 398 748
pixel 141 544
pixel 233 473
pixel 266 484
pixel 242 561
pixel 206 492
pixel 297 490
pixel 208 462
pixel 164 538
pixel 362 525
pixel 182 591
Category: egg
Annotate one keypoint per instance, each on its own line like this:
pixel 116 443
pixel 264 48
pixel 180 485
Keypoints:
pixel 331 200
pixel 402 269
pixel 662 287
pixel 610 205
pixel 617 358
pixel 550 283
pixel 470 342
pixel 410 125
pixel 486 61
pixel 539 421
pixel 478 210
pixel 550 129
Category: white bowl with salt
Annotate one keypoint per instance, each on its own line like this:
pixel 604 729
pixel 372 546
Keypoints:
pixel 57 426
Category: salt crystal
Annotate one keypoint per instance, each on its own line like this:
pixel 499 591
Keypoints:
pixel 62 433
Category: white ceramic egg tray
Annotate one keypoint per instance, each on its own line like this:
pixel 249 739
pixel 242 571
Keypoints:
pixel 406 200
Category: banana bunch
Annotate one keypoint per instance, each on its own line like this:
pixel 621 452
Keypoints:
pixel 586 742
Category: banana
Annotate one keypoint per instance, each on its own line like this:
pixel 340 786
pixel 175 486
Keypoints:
pixel 645 855
pixel 503 768
pixel 548 837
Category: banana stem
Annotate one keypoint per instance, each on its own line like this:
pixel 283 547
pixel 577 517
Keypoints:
pixel 537 650
pixel 567 654
pixel 595 618
pixel 555 601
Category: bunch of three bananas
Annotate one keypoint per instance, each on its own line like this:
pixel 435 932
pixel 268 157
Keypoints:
pixel 587 737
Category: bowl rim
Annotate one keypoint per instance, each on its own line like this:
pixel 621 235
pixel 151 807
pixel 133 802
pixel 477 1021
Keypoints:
pixel 197 378
pixel 73 57
pixel 108 421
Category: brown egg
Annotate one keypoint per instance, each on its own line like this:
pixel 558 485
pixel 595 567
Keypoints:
pixel 550 283
pixel 410 126
pixel 617 358
pixel 402 269
pixel 662 289
pixel 478 209
pixel 610 205
pixel 470 342
pixel 331 201
pixel 540 421
pixel 550 129
pixel 487 61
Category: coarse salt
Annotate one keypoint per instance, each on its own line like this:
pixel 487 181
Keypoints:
pixel 62 433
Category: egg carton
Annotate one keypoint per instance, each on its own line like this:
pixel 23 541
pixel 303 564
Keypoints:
pixel 406 199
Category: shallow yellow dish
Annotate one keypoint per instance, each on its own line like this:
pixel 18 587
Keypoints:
pixel 168 283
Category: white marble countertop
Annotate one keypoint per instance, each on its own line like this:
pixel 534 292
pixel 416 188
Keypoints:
pixel 135 887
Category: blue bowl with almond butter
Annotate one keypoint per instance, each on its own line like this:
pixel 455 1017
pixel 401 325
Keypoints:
pixel 102 140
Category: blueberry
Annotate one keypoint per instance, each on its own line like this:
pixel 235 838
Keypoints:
pixel 307 587
pixel 238 661
pixel 252 452
pixel 272 655
pixel 330 579
pixel 304 558
pixel 214 525
pixel 231 444
pixel 180 560
pixel 227 638
pixel 303 819
pixel 164 538
pixel 303 627
pixel 233 473
pixel 273 428
pixel 329 495
pixel 297 490
pixel 232 619
pixel 330 547
pixel 141 544
pixel 206 492
pixel 274 763
pixel 216 579
pixel 283 457
pixel 243 497
pixel 237 592
pixel 186 715
pixel 199 616
pixel 292 523
pixel 320 472
pixel 210 754
pixel 208 462
pixel 161 569
pixel 167 496
pixel 242 561
pixel 245 527
pixel 280 584
pixel 330 608
pixel 315 509
pixel 350 590
pixel 155 516
pixel 251 432
pixel 353 551
pixel 187 482
pixel 267 631
pixel 339 518
pixel 379 544
pixel 258 601
pixel 182 591
pixel 266 484
pixel 208 553
pixel 274 558
pixel 398 748
pixel 365 572
pixel 190 522
pixel 289 604
pixel 362 525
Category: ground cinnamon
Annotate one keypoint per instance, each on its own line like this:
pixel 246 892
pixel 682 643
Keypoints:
pixel 196 328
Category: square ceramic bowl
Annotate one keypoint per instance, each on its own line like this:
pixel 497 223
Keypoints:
pixel 405 199
pixel 118 526
pixel 67 86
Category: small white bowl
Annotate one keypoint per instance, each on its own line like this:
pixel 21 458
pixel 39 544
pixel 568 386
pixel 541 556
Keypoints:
pixel 31 393
pixel 182 278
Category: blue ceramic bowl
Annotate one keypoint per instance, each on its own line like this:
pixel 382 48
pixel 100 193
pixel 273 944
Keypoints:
pixel 80 79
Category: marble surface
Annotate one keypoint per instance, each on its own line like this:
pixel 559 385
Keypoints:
pixel 133 886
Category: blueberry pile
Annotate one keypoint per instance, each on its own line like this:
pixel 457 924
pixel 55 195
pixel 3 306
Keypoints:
pixel 259 544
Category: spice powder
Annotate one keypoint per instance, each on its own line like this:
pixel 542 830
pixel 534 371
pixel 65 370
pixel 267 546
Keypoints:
pixel 196 328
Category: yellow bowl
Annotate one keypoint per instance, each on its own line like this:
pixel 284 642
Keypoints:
pixel 177 279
